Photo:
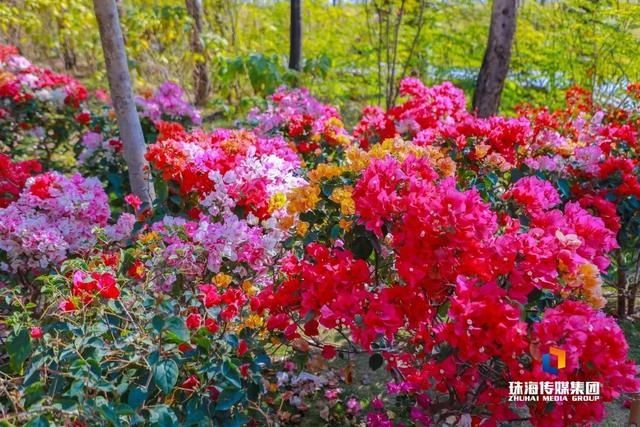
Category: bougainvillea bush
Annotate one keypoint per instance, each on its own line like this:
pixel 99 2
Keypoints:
pixel 39 109
pixel 295 272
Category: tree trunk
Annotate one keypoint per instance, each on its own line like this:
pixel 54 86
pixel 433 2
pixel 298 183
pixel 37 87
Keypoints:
pixel 634 413
pixel 295 36
pixel 495 64
pixel 201 71
pixel 621 286
pixel 115 59
pixel 68 55
pixel 631 300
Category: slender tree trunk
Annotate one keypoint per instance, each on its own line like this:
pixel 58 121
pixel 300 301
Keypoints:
pixel 632 293
pixel 201 71
pixel 495 64
pixel 631 300
pixel 621 286
pixel 295 36
pixel 68 55
pixel 634 413
pixel 122 96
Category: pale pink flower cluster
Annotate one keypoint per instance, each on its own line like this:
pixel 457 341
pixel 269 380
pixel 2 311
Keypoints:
pixel 169 103
pixel 54 216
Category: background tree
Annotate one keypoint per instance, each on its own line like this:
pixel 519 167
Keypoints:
pixel 295 36
pixel 201 71
pixel 495 65
pixel 395 29
pixel 122 97
pixel 557 44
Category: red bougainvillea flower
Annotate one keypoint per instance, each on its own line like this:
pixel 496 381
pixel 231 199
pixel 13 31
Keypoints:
pixel 133 201
pixel 190 383
pixel 534 194
pixel 86 286
pixel 106 284
pixel 41 185
pixel 67 306
pixel 169 130
pixel 211 325
pixel 327 288
pixel 13 177
pixel 329 352
pixel 194 321
pixel 110 259
pixel 84 118
pixel 36 332
pixel 243 347
pixel 185 347
pixel 137 270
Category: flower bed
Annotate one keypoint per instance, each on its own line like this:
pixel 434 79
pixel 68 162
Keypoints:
pixel 453 253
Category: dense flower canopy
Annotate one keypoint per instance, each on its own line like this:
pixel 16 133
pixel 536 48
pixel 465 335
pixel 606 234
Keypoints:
pixel 453 251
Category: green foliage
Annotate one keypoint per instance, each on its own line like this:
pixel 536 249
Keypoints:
pixel 557 44
pixel 127 361
pixel 18 349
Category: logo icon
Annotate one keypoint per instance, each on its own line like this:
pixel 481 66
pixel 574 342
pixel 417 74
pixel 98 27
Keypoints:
pixel 559 360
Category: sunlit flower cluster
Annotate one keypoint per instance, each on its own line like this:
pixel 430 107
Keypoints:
pixel 309 124
pixel 53 217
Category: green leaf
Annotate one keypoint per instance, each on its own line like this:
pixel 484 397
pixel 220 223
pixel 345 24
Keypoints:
pixel 124 409
pixel 165 375
pixel 38 422
pixel 231 373
pixel 362 247
pixel 137 396
pixel 76 389
pixel 19 348
pixel 162 190
pixel 109 414
pixel 376 361
pixel 194 417
pixel 158 323
pixel 33 393
pixel 563 185
pixel 327 190
pixel 176 330
pixel 228 398
pixel 162 416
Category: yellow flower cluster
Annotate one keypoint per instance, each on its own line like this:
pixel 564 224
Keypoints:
pixel 222 280
pixel 277 201
pixel 150 237
pixel 253 321
pixel 481 150
pixel 5 77
pixel 249 288
pixel 588 279
pixel 344 224
pixel 302 227
pixel 286 222
pixel 148 242
pixel 324 171
pixel 344 197
pixel 359 159
pixel 589 275
pixel 331 134
pixel 498 161
pixel 303 199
